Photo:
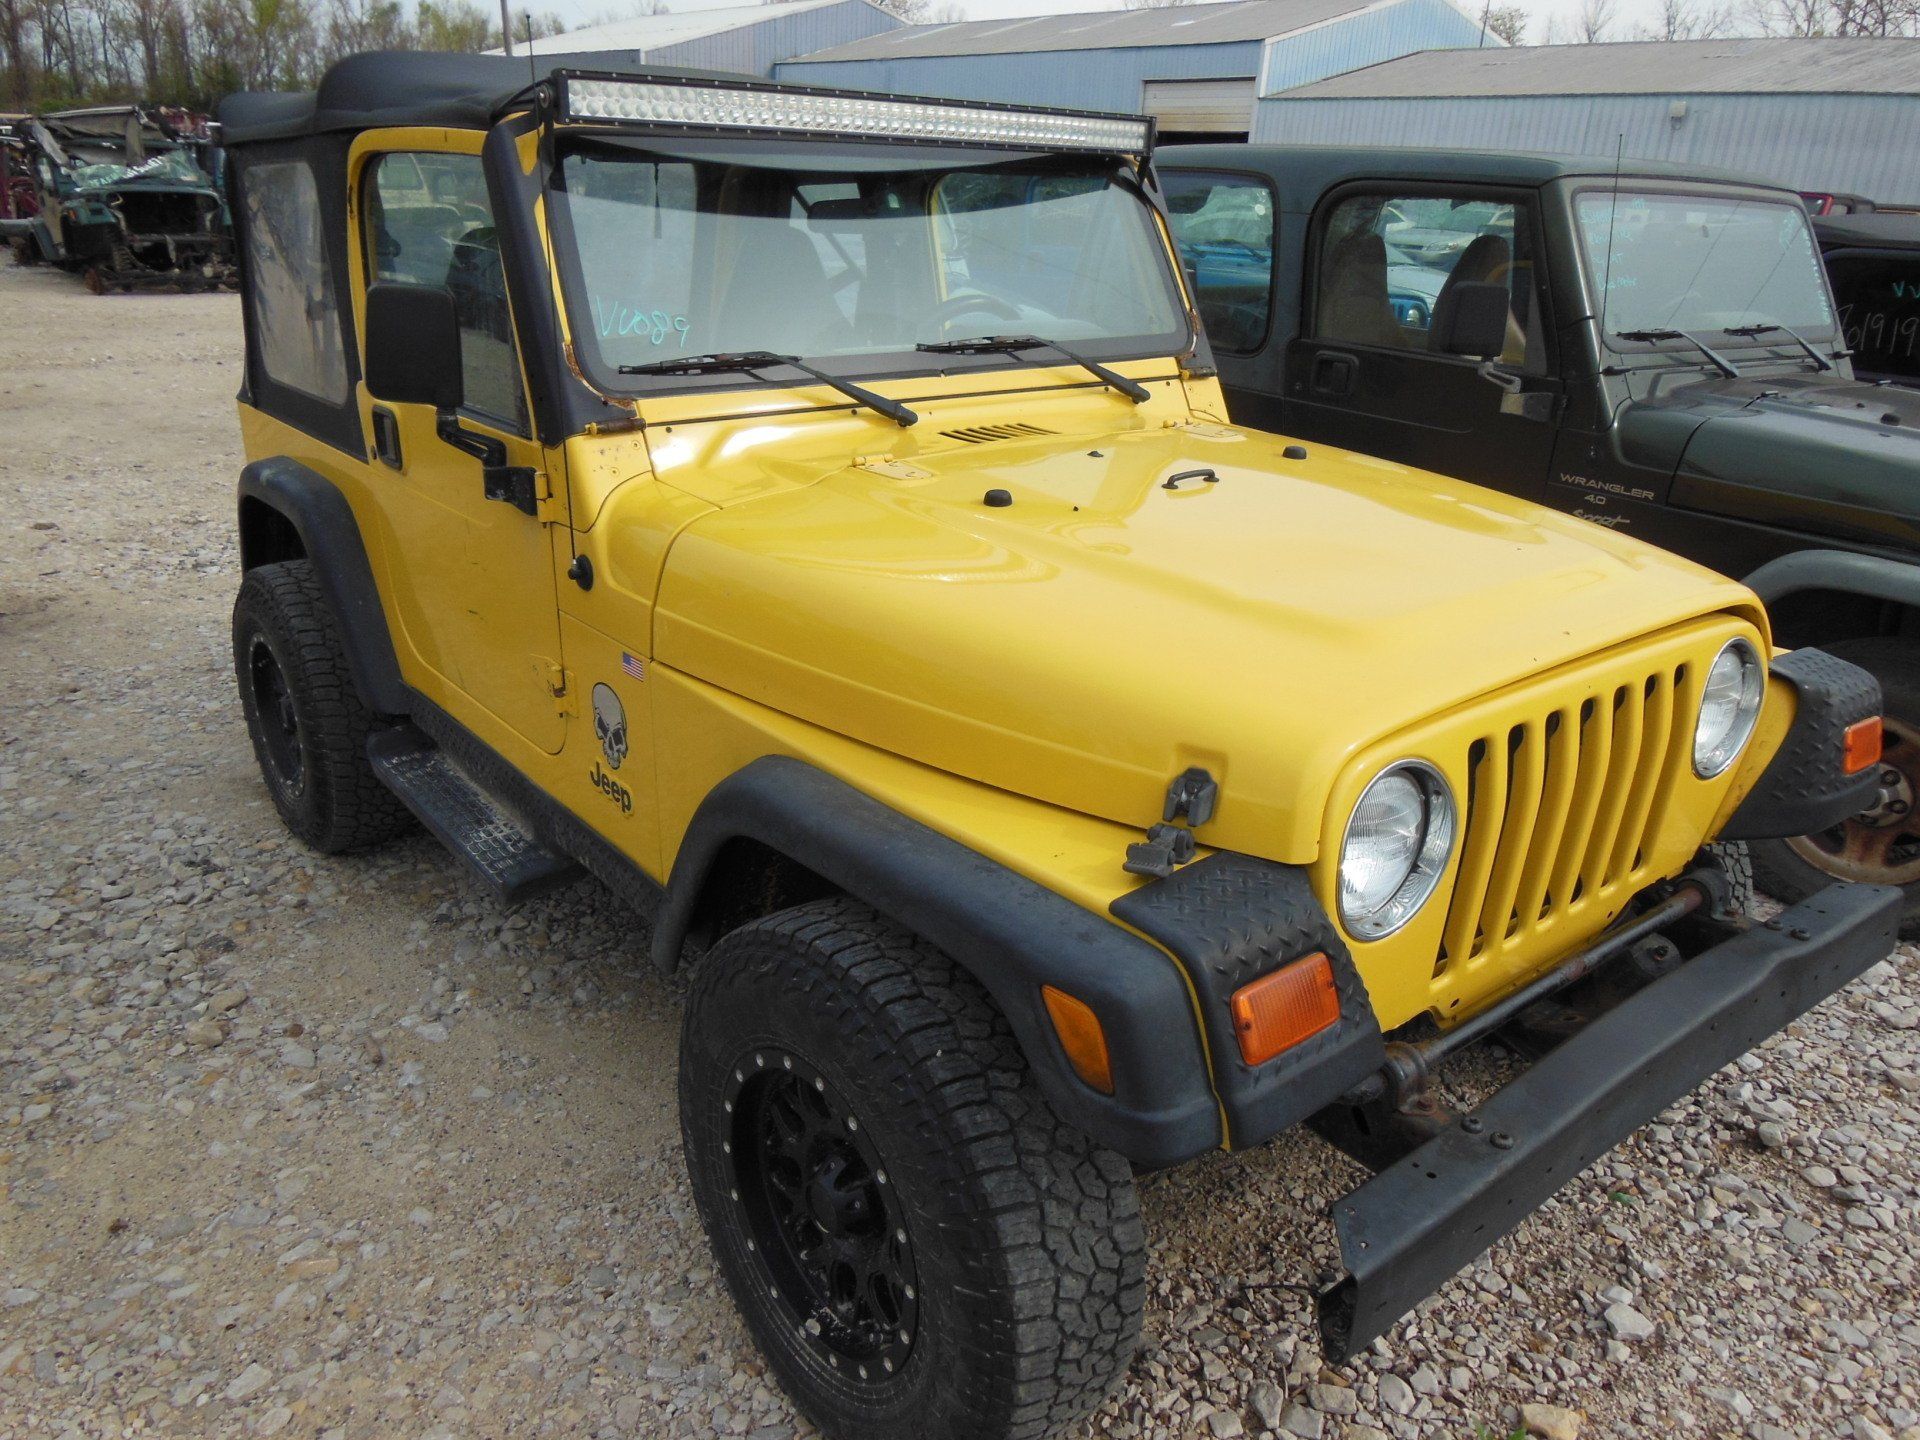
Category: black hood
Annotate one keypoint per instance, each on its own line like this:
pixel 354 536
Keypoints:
pixel 1853 445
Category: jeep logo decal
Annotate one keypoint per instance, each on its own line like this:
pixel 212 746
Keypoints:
pixel 611 788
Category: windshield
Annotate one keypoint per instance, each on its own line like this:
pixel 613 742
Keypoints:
pixel 1701 263
pixel 669 257
pixel 171 167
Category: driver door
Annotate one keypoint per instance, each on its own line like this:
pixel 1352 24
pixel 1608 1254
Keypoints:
pixel 473 578
pixel 1362 375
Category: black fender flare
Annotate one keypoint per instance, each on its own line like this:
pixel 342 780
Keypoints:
pixel 330 537
pixel 1805 787
pixel 1842 570
pixel 1012 934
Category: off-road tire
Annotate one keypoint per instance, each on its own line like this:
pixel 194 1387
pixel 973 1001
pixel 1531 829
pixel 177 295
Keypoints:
pixel 1736 862
pixel 334 802
pixel 1784 872
pixel 1025 1235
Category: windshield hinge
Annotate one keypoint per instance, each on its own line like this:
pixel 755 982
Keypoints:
pixel 893 469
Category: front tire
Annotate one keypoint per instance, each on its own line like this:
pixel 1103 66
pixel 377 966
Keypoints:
pixel 304 715
pixel 919 1246
pixel 1881 846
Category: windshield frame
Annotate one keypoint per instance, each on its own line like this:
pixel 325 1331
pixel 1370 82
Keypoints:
pixel 855 156
pixel 1703 189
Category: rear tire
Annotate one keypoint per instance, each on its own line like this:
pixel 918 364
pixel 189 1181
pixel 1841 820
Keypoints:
pixel 305 718
pixel 1886 852
pixel 918 1244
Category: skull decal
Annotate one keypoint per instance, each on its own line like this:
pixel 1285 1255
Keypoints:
pixel 610 724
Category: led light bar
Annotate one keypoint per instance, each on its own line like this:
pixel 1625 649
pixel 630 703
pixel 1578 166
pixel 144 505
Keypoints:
pixel 842 115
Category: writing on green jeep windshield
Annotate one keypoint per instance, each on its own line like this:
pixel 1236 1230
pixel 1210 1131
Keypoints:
pixel 663 256
pixel 1702 263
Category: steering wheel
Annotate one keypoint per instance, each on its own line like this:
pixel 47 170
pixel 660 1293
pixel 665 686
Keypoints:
pixel 968 302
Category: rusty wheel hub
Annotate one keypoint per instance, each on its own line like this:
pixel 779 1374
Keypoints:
pixel 1880 845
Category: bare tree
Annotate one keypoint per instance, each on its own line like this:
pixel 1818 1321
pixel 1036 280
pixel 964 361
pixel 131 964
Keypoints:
pixel 1689 20
pixel 1509 22
pixel 1593 22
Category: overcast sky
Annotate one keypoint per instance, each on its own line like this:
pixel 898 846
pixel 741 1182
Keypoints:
pixel 1629 12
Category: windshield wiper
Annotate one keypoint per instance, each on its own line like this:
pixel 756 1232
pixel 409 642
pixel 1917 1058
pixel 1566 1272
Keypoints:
pixel 1719 362
pixel 1750 332
pixel 1014 344
pixel 751 360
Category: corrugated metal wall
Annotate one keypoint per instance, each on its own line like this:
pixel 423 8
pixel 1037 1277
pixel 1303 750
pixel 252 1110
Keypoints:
pixel 756 49
pixel 1859 143
pixel 1383 32
pixel 1086 79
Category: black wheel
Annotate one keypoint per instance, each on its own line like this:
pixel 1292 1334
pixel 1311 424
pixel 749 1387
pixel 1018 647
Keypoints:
pixel 1881 845
pixel 919 1246
pixel 308 726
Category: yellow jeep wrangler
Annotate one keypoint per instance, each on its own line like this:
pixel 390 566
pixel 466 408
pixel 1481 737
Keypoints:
pixel 811 514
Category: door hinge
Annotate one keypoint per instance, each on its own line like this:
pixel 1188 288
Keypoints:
pixel 559 686
pixel 516 485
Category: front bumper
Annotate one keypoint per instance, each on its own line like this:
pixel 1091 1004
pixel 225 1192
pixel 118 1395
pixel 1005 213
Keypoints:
pixel 1407 1230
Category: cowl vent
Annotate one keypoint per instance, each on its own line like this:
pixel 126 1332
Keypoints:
pixel 980 434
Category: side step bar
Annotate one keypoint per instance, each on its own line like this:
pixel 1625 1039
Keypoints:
pixel 468 821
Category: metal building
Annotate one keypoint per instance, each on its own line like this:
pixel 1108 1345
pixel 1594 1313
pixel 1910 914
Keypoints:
pixel 1817 115
pixel 751 39
pixel 1196 68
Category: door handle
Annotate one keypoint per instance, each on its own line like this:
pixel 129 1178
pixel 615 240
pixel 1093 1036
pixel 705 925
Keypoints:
pixel 386 437
pixel 1333 374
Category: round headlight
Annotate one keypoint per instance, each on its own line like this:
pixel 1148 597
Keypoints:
pixel 1729 706
pixel 1397 845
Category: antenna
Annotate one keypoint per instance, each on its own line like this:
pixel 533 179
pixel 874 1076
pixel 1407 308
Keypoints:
pixel 1486 18
pixel 1606 277
pixel 1613 212
pixel 533 70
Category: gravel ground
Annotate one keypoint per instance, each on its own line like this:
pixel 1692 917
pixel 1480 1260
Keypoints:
pixel 313 1147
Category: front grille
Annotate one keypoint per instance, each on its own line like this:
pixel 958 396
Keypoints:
pixel 977 434
pixel 1560 810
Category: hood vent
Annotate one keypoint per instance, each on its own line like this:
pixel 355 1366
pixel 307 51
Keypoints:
pixel 979 434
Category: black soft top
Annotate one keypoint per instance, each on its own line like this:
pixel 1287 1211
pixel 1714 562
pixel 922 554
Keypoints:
pixel 1878 229
pixel 1303 173
pixel 399 87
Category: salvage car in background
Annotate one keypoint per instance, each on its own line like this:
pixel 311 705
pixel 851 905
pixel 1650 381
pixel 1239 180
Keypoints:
pixel 808 513
pixel 1873 264
pixel 19 195
pixel 1655 351
pixel 122 199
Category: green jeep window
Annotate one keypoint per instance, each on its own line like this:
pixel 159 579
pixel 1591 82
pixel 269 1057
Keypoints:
pixel 1703 263
pixel 1224 226
pixel 1389 261
pixel 428 223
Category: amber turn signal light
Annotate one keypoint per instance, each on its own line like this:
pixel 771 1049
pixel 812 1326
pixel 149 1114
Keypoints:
pixel 1283 1008
pixel 1081 1037
pixel 1862 745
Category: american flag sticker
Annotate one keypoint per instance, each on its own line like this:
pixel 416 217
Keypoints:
pixel 633 665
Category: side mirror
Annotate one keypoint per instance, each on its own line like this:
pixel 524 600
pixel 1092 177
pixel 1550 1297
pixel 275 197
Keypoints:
pixel 413 346
pixel 1469 319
